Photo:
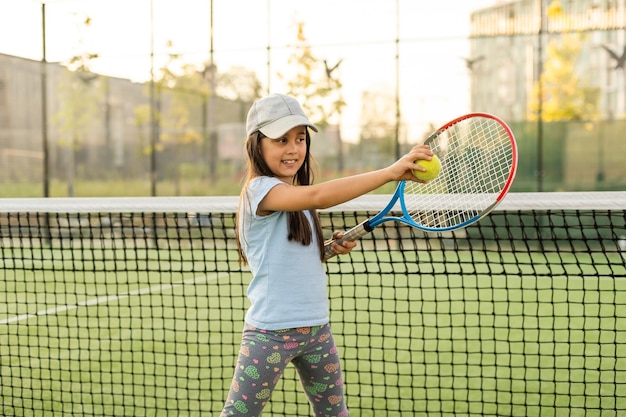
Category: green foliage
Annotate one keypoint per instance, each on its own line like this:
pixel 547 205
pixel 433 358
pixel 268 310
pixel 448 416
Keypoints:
pixel 183 88
pixel 313 83
pixel 80 93
pixel 239 83
pixel 378 123
pixel 561 95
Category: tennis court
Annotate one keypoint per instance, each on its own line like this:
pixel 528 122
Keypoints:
pixel 112 311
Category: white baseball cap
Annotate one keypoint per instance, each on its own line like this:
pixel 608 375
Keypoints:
pixel 275 115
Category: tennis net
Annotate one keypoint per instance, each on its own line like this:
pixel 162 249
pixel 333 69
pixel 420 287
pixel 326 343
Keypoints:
pixel 135 306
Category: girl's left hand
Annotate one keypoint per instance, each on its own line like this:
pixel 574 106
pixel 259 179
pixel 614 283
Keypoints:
pixel 344 247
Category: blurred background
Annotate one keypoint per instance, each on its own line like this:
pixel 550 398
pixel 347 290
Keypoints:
pixel 149 97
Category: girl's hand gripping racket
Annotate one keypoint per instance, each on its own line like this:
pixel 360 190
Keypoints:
pixel 478 157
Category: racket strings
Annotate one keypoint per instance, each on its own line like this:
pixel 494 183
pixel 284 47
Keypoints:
pixel 476 161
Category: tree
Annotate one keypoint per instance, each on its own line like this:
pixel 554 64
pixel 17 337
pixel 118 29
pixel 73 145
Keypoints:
pixel 239 83
pixel 378 122
pixel 561 93
pixel 315 84
pixel 80 95
pixel 180 88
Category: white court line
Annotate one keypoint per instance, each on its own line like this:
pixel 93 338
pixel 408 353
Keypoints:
pixel 108 298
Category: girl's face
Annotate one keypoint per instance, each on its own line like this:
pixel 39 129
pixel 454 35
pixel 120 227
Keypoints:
pixel 284 156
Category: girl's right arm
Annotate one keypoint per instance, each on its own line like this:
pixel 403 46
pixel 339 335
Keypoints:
pixel 320 196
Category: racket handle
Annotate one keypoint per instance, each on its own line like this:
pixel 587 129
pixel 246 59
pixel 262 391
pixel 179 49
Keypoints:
pixel 351 235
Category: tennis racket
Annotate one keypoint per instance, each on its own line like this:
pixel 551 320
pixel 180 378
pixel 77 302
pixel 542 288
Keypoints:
pixel 478 155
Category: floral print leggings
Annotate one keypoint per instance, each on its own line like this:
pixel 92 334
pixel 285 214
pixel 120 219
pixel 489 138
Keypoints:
pixel 263 356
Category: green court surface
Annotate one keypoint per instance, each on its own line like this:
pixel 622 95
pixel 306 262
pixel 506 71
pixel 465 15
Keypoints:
pixel 108 332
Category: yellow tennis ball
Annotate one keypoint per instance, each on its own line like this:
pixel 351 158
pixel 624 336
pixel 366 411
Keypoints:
pixel 432 169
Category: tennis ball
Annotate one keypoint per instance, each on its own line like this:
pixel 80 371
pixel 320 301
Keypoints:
pixel 432 169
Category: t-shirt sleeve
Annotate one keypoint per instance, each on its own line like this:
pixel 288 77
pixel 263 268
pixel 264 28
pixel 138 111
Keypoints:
pixel 258 189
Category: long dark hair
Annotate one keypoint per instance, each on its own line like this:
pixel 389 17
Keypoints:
pixel 299 229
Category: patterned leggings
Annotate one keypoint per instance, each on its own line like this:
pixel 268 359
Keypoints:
pixel 263 356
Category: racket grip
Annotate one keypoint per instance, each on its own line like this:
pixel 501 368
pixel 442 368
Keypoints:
pixel 351 235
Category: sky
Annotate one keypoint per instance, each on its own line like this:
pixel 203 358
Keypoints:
pixel 358 33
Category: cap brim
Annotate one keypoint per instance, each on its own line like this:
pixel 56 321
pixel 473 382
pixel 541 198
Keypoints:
pixel 279 127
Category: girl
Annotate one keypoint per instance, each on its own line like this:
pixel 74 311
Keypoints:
pixel 280 237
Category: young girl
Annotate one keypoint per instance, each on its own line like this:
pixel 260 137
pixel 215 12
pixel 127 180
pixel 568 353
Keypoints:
pixel 280 237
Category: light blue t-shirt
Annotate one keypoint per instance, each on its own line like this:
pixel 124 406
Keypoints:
pixel 288 287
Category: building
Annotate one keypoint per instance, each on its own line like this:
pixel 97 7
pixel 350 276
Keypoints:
pixel 509 44
pixel 115 142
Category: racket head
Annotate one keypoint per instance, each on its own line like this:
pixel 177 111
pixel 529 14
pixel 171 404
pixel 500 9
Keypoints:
pixel 478 155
